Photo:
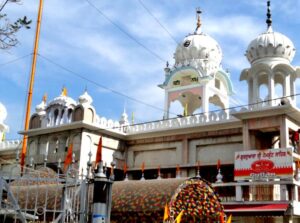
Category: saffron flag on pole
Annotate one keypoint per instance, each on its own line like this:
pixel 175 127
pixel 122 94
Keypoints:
pixel 178 218
pixel 99 152
pixel 68 158
pixel 166 213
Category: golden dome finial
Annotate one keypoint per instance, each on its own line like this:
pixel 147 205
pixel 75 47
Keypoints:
pixel 64 91
pixel 198 12
pixel 45 97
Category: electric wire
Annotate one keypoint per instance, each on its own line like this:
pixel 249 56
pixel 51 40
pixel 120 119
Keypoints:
pixel 126 33
pixel 15 60
pixel 157 20
pixel 99 85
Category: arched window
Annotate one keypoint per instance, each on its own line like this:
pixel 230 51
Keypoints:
pixel 55 116
pixel 70 115
pixel 56 146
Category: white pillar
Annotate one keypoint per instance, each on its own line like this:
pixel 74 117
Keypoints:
pixel 286 86
pixel 205 102
pixel 284 134
pixel 255 90
pixel 250 90
pixel 271 90
pixel 167 105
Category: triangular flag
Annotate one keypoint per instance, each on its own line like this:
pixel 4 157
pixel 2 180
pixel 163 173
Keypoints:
pixel 185 111
pixel 178 218
pixel 3 136
pixel 166 213
pixel 229 219
pixel 143 167
pixel 64 92
pixel 219 164
pixel 125 168
pixel 222 218
pixel 99 152
pixel 68 158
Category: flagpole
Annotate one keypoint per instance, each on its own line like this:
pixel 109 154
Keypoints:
pixel 30 89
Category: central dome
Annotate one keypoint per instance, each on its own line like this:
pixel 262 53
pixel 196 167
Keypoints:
pixel 200 51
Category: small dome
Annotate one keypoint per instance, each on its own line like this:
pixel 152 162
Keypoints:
pixel 124 119
pixel 62 99
pixel 40 108
pixel 85 98
pixel 200 51
pixel 271 45
pixel 3 113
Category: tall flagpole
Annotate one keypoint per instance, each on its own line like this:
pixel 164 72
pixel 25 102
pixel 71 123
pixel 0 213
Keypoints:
pixel 30 89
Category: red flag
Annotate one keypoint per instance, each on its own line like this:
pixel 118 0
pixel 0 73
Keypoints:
pixel 219 164
pixel 143 167
pixel 68 159
pixel 99 151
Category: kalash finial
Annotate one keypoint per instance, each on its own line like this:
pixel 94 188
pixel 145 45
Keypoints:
pixel 269 15
pixel 198 13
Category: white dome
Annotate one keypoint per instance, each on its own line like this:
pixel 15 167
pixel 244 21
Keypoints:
pixel 199 50
pixel 271 45
pixel 3 113
pixel 85 98
pixel 62 100
pixel 40 108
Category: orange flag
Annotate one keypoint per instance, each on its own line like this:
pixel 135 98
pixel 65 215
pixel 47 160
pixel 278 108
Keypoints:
pixel 143 167
pixel 68 159
pixel 99 152
pixel 222 218
pixel 125 168
pixel 166 213
pixel 219 164
pixel 177 169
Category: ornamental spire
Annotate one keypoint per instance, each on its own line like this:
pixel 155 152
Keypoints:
pixel 269 15
pixel 198 13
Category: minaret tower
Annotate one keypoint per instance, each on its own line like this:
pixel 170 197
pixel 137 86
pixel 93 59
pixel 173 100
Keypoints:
pixel 270 56
pixel 196 79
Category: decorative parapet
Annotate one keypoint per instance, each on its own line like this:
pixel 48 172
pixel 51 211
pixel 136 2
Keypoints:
pixel 11 144
pixel 182 122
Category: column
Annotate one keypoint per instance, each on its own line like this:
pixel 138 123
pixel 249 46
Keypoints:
pixel 284 133
pixel 205 102
pixel 271 90
pixel 255 90
pixel 167 105
pixel 246 136
pixel 286 86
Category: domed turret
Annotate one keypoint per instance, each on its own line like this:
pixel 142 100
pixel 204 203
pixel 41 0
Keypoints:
pixel 3 113
pixel 85 98
pixel 270 56
pixel 40 108
pixel 270 45
pixel 124 118
pixel 199 50
pixel 63 99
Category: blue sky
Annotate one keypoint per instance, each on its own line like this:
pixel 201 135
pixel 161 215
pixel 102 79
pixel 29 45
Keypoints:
pixel 76 36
